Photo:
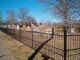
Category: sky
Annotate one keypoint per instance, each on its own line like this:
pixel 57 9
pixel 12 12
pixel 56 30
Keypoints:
pixel 35 8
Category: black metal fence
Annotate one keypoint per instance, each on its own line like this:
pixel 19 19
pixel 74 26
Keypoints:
pixel 62 47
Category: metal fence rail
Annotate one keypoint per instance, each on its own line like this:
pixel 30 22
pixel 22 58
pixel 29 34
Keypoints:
pixel 57 48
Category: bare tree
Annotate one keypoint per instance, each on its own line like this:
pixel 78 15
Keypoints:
pixel 1 21
pixel 11 17
pixel 30 20
pixel 64 9
pixel 23 14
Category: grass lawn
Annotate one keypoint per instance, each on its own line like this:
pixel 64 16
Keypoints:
pixel 18 50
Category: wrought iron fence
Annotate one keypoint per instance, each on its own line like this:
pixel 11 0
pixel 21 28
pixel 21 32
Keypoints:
pixel 61 47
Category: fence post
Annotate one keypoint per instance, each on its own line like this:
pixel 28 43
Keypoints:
pixel 20 33
pixel 32 37
pixel 20 26
pixel 65 43
pixel 39 48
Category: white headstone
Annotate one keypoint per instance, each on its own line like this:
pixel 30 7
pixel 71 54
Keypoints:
pixel 48 30
pixel 72 30
pixel 28 28
pixel 17 27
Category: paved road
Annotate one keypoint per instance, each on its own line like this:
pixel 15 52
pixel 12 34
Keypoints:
pixel 4 52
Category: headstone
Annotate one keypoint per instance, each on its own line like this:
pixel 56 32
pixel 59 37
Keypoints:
pixel 72 30
pixel 28 28
pixel 17 27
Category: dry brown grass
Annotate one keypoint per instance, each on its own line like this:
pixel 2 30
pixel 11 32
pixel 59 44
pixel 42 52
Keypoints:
pixel 57 41
pixel 18 50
